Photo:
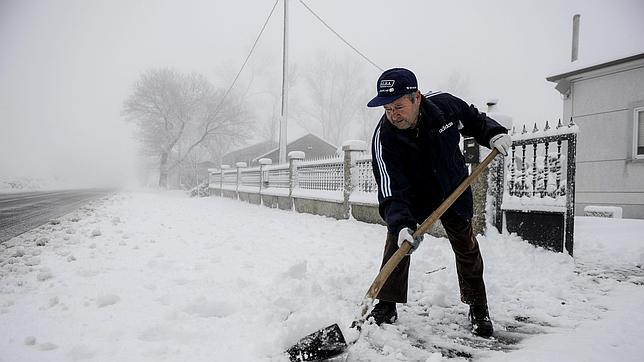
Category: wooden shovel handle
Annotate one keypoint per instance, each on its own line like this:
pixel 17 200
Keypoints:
pixel 395 259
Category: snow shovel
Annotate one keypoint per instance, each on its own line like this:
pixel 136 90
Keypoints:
pixel 329 342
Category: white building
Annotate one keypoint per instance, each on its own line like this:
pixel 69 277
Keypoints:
pixel 606 100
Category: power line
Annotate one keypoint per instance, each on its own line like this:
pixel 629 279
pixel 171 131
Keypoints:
pixel 247 57
pixel 339 36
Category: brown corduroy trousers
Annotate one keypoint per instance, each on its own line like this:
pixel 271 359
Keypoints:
pixel 469 264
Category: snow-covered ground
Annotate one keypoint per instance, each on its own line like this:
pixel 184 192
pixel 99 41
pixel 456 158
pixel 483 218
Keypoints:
pixel 158 276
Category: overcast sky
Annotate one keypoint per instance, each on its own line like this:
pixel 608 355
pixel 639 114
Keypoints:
pixel 66 66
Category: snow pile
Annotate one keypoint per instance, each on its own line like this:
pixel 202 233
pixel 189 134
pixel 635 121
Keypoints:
pixel 603 211
pixel 174 278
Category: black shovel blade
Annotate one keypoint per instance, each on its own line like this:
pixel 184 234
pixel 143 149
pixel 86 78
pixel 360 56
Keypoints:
pixel 320 345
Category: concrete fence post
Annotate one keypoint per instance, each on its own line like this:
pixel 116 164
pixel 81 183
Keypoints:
pixel 240 166
pixel 351 150
pixel 263 180
pixel 221 179
pixel 211 173
pixel 294 158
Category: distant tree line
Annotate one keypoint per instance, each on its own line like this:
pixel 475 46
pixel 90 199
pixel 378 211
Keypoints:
pixel 182 120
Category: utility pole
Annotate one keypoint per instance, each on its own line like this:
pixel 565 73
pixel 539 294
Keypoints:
pixel 284 118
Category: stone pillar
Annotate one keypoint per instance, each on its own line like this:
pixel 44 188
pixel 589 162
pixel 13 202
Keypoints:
pixel 294 158
pixel 221 179
pixel 211 172
pixel 263 181
pixel 351 150
pixel 240 166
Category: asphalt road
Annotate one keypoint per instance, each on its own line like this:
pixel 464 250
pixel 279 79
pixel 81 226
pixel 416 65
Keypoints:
pixel 21 212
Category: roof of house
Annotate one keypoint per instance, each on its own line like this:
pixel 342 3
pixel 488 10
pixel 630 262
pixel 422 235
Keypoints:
pixel 579 68
pixel 206 164
pixel 253 150
pixel 293 141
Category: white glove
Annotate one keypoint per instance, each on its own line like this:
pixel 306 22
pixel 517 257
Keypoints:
pixel 407 234
pixel 501 142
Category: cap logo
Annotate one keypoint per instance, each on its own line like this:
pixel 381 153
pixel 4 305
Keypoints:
pixel 387 83
pixel 393 84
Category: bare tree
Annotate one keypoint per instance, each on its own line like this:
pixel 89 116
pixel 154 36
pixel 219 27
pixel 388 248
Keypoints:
pixel 368 120
pixel 338 93
pixel 271 112
pixel 176 112
pixel 189 171
pixel 457 83
pixel 271 125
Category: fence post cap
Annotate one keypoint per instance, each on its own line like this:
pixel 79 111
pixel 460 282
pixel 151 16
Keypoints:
pixel 296 155
pixel 354 145
pixel 225 167
pixel 241 165
pixel 265 161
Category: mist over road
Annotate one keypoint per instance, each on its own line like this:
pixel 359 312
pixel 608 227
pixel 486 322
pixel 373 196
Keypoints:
pixel 21 212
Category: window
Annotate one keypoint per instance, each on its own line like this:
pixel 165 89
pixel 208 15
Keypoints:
pixel 638 142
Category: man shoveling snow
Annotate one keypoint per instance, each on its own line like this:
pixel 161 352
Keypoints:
pixel 417 164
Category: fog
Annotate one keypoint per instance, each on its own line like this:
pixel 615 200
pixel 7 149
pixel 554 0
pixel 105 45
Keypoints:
pixel 67 66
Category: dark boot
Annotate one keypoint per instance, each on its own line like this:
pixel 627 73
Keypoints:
pixel 480 318
pixel 384 312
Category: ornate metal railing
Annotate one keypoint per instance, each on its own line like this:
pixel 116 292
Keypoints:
pixel 365 181
pixel 538 178
pixel 322 174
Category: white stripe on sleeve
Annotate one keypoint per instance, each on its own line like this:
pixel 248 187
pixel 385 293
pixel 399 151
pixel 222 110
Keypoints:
pixel 385 183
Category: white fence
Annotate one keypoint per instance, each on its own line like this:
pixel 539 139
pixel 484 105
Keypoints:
pixel 532 188
pixel 334 183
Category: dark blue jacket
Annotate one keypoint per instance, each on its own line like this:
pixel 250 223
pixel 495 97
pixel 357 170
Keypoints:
pixel 416 169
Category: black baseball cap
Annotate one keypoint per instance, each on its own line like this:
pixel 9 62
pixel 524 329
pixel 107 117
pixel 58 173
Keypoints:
pixel 393 84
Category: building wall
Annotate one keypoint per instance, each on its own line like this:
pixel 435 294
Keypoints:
pixel 602 104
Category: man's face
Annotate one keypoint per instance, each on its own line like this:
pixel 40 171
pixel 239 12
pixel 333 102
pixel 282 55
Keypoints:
pixel 403 113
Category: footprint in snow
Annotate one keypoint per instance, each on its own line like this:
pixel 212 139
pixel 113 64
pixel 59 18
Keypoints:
pixel 32 261
pixel 107 300
pixel 47 346
pixel 44 275
pixel 81 352
pixel 205 308
pixel 30 341
pixel 297 271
